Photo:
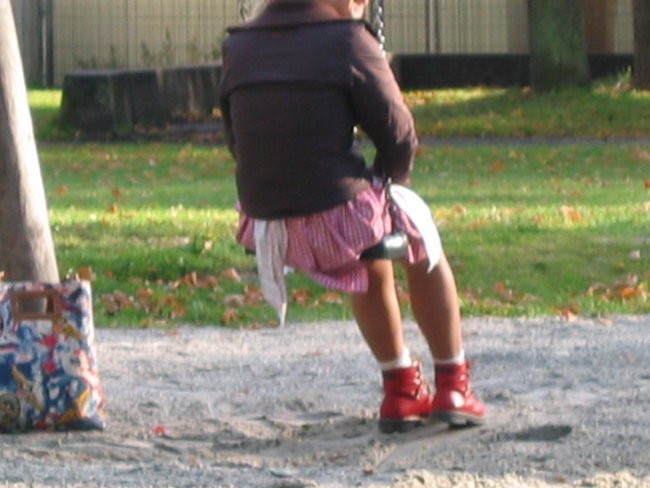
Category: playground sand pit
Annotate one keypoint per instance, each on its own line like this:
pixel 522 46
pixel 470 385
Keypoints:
pixel 568 405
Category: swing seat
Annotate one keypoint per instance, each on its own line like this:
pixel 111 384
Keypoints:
pixel 392 246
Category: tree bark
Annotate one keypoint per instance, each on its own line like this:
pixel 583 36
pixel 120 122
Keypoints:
pixel 558 55
pixel 642 44
pixel 600 25
pixel 26 244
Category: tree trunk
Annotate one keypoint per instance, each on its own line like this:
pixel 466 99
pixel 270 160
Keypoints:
pixel 26 245
pixel 600 25
pixel 558 56
pixel 642 44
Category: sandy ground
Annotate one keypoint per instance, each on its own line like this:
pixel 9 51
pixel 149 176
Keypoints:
pixel 569 405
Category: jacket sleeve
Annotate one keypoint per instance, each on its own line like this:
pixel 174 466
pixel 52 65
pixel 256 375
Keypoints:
pixel 380 108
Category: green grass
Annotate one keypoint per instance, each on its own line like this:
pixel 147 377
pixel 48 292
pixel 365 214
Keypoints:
pixel 532 230
pixel 45 105
pixel 602 112
pixel 529 229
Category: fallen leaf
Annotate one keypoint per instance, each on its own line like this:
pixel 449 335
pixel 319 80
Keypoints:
pixel 234 300
pixel 178 311
pixel 143 298
pixel 596 289
pixel 570 213
pixel 144 293
pixel 499 287
pixel 168 299
pixel 228 316
pixel 114 302
pixel 253 295
pixel 628 288
pixel 301 296
pixel 539 219
pixel 470 296
pixel 627 292
pixel 85 273
pixel 570 314
pixel 252 326
pixel 207 246
pixel 110 307
pixel 231 274
pixel 460 209
pixel 630 281
pixel 121 298
pixel 497 167
pixel 190 279
pixel 209 282
pixel 332 297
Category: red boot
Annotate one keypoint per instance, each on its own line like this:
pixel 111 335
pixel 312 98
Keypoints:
pixel 454 403
pixel 407 400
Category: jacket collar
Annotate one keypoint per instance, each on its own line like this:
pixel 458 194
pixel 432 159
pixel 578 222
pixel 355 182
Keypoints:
pixel 286 13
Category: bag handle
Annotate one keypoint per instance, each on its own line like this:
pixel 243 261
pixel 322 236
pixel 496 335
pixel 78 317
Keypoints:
pixel 25 304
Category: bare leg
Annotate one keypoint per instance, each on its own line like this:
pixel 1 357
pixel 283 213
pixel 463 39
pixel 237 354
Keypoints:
pixel 377 312
pixel 435 307
pixel 434 302
pixel 407 399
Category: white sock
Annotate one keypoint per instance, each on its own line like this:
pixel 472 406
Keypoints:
pixel 458 359
pixel 402 361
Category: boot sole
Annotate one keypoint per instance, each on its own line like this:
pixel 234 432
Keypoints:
pixel 458 420
pixel 391 426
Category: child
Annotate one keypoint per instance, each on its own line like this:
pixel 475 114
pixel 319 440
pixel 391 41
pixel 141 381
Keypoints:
pixel 296 81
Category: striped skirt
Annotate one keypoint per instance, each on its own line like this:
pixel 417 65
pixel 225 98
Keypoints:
pixel 326 246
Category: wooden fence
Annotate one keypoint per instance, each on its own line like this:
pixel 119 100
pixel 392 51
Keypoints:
pixel 61 36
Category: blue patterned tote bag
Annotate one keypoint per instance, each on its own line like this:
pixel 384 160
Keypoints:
pixel 49 378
